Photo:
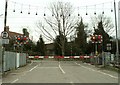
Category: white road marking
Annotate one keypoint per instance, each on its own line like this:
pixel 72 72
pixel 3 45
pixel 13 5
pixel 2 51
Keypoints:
pixel 72 83
pixel 77 63
pixel 33 68
pixel 107 74
pixel 88 68
pixel 61 69
pixel 89 64
pixel 15 81
pixel 98 71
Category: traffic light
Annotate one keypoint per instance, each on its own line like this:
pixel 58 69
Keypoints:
pixel 25 40
pixel 93 39
pixel 96 39
pixel 99 38
pixel 22 40
pixel 18 39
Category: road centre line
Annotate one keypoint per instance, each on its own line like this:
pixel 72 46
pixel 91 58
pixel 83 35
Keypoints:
pixel 98 71
pixel 61 69
pixel 15 81
pixel 33 68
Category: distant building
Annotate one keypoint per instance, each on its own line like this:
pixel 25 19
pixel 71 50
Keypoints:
pixel 50 49
pixel 12 41
pixel 119 20
pixel 12 34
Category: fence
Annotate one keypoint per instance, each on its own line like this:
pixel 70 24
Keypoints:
pixel 12 60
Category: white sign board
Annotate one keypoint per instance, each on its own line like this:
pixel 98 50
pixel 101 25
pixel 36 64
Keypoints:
pixel 118 20
pixel 5 41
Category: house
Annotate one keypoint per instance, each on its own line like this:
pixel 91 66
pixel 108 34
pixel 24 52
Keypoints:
pixel 12 34
pixel 50 49
pixel 12 39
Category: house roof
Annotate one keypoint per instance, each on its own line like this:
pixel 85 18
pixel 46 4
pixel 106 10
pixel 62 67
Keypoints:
pixel 50 45
pixel 13 34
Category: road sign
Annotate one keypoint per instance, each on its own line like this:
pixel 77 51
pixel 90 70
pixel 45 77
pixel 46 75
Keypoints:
pixel 4 34
pixel 4 41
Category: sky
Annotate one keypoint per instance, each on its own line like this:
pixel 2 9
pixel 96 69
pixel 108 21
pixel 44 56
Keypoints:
pixel 16 21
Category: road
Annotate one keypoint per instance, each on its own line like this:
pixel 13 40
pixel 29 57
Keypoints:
pixel 51 71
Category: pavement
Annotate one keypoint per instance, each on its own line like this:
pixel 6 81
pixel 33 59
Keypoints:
pixel 51 71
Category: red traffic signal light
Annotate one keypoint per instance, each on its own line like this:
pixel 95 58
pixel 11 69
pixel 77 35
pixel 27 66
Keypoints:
pixel 96 38
pixel 18 38
pixel 24 38
pixel 99 37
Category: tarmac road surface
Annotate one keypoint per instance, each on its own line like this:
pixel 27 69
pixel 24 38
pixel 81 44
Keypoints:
pixel 51 71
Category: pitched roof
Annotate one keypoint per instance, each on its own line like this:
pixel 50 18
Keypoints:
pixel 13 34
pixel 49 46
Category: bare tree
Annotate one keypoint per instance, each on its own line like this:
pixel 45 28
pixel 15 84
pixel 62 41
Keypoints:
pixel 107 23
pixel 61 22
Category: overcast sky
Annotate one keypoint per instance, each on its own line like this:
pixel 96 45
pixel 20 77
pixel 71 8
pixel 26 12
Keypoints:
pixel 16 21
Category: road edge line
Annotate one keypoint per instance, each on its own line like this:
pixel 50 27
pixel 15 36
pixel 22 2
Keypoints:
pixel 15 80
pixel 97 71
pixel 33 68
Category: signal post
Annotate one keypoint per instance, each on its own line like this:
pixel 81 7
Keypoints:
pixel 96 39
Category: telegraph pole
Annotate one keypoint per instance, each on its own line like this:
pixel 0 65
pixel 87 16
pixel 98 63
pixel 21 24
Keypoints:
pixel 5 19
pixel 117 49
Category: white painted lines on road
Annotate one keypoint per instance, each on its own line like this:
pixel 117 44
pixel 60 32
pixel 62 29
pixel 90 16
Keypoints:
pixel 33 68
pixel 85 67
pixel 88 68
pixel 61 69
pixel 108 74
pixel 31 63
pixel 72 83
pixel 77 64
pixel 24 73
pixel 15 81
pixel 97 71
